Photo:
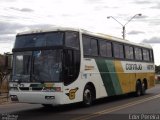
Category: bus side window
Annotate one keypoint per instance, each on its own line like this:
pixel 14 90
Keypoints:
pixel 71 63
pixel 129 52
pixel 118 50
pixel 90 46
pixel 72 39
pixel 105 49
pixel 145 55
pixel 138 53
pixel 151 56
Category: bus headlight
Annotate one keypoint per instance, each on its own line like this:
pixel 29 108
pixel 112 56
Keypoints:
pixel 14 97
pixel 49 97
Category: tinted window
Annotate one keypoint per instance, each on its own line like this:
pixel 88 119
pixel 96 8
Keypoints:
pixel 94 47
pixel 129 52
pixel 39 40
pixel 47 65
pixel 118 50
pixel 105 49
pixel 90 46
pixel 145 55
pixel 71 66
pixel 23 63
pixel 151 55
pixel 53 39
pixel 86 46
pixel 72 39
pixel 109 49
pixel 138 53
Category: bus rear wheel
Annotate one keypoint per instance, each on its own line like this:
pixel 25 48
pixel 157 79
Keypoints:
pixel 47 105
pixel 138 89
pixel 87 96
pixel 143 88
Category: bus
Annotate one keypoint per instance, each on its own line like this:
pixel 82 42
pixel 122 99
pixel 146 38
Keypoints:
pixel 68 65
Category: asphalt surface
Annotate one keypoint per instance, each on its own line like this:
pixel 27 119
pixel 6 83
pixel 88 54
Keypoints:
pixel 125 107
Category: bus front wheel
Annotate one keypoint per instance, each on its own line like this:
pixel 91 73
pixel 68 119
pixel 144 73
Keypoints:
pixel 87 96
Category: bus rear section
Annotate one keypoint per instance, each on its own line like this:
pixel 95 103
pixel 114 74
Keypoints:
pixel 118 66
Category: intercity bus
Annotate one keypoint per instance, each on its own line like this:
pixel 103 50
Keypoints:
pixel 67 65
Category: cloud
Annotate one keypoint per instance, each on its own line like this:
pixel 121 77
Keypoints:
pixel 22 10
pixel 157 6
pixel 39 26
pixel 94 1
pixel 142 2
pixel 101 7
pixel 9 28
pixel 7 39
pixel 142 17
pixel 8 0
pixel 8 31
pixel 152 40
pixel 135 32
pixel 12 28
pixel 26 10
pixel 154 22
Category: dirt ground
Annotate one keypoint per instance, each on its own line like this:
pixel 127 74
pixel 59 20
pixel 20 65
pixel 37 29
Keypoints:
pixel 4 98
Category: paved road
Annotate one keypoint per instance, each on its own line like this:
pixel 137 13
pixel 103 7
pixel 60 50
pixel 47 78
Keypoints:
pixel 120 107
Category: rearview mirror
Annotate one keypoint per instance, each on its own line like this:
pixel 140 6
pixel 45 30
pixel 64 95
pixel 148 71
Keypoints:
pixel 8 61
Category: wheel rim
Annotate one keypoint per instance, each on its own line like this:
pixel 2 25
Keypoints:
pixel 143 88
pixel 87 97
pixel 138 90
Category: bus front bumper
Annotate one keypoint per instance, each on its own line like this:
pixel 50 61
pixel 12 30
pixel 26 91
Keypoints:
pixel 54 98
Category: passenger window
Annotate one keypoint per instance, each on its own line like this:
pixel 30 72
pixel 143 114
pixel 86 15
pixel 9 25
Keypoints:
pixel 105 49
pixel 138 53
pixel 72 39
pixel 94 47
pixel 129 52
pixel 151 56
pixel 145 55
pixel 90 46
pixel 118 50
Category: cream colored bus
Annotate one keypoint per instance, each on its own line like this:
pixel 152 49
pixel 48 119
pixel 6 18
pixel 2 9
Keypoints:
pixel 66 65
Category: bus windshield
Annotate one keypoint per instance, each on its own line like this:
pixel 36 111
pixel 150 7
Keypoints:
pixel 40 57
pixel 39 40
pixel 37 66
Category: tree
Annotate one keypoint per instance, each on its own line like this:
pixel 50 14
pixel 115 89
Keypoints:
pixel 4 72
pixel 157 69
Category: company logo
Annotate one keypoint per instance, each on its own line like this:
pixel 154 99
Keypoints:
pixel 89 67
pixel 133 67
pixel 72 93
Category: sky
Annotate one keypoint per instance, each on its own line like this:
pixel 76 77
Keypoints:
pixel 22 15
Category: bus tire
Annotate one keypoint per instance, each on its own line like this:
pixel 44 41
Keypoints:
pixel 47 105
pixel 143 88
pixel 138 89
pixel 87 96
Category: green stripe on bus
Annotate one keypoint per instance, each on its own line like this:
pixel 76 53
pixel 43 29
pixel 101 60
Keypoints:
pixel 114 76
pixel 109 77
pixel 106 77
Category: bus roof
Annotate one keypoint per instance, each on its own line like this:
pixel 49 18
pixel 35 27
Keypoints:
pixel 98 35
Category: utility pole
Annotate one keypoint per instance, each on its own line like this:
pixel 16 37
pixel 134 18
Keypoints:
pixel 124 25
